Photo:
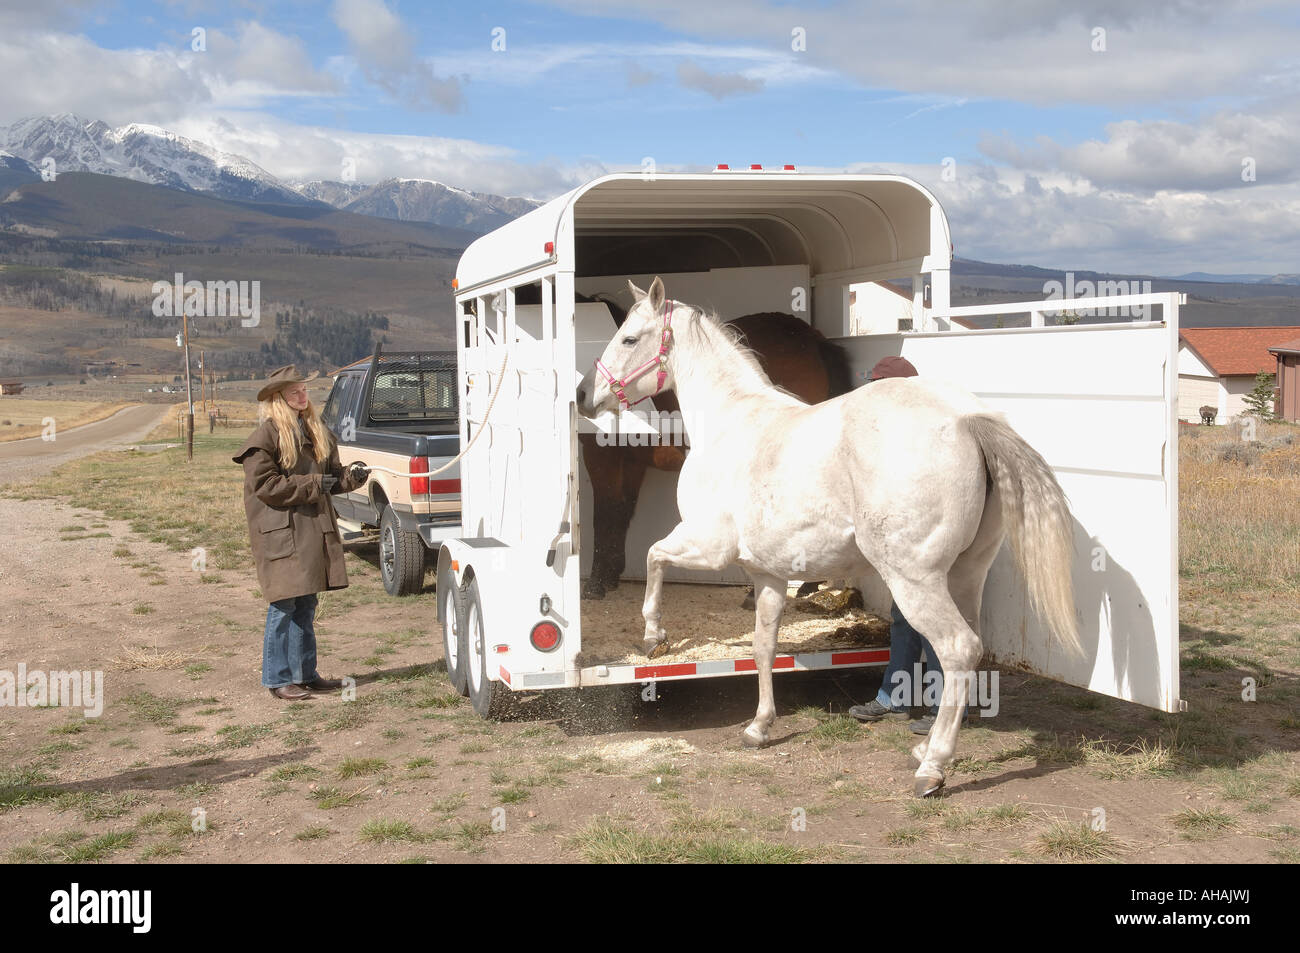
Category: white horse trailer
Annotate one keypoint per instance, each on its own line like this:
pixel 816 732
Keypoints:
pixel 1098 401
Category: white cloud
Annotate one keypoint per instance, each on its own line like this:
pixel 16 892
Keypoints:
pixel 305 153
pixel 1031 51
pixel 383 48
pixel 1056 219
pixel 1163 154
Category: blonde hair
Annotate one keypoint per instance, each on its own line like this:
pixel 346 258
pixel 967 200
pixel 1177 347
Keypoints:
pixel 285 420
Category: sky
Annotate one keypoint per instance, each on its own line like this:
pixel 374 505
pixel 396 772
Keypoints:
pixel 1153 138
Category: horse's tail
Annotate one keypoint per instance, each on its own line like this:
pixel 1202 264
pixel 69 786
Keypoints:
pixel 839 376
pixel 1037 520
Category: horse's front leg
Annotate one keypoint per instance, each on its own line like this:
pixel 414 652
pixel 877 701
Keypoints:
pixel 689 548
pixel 769 602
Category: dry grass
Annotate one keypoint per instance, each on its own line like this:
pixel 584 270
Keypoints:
pixel 21 417
pixel 152 660
pixel 1239 508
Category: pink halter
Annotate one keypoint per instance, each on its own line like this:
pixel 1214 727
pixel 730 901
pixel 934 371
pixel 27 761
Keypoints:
pixel 660 360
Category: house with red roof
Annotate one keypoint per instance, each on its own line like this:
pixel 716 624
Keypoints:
pixel 1217 366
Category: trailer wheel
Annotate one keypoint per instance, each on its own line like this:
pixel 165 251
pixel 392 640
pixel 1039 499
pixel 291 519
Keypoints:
pixel 490 699
pixel 453 631
pixel 401 556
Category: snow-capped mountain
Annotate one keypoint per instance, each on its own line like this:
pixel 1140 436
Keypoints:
pixel 337 194
pixel 156 156
pixel 421 200
pixel 143 153
pixel 13 163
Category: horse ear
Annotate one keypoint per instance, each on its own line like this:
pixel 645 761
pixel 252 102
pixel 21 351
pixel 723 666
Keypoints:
pixel 637 293
pixel 657 294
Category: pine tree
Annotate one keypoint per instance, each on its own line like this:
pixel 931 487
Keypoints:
pixel 1260 400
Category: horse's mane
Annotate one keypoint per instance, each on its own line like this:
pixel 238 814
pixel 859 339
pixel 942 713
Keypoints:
pixel 718 337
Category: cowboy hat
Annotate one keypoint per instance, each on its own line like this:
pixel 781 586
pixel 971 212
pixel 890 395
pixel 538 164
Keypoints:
pixel 281 378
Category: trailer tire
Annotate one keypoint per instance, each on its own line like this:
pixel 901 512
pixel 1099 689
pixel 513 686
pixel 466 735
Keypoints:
pixel 490 699
pixel 401 556
pixel 452 600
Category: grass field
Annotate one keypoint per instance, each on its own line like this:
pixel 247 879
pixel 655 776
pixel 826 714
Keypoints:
pixel 409 773
pixel 22 417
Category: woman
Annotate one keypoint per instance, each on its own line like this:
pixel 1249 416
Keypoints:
pixel 291 466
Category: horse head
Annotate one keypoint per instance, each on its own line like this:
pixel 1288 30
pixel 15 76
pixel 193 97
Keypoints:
pixel 635 364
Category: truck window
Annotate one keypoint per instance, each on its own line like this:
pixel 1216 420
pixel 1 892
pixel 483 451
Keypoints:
pixel 415 389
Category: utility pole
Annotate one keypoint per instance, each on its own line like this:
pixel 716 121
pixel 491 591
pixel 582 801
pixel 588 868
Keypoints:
pixel 189 392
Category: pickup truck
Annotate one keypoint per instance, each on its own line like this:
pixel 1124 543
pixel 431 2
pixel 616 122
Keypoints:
pixel 399 411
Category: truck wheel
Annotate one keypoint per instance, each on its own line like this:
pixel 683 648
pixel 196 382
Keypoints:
pixel 490 699
pixel 453 631
pixel 401 556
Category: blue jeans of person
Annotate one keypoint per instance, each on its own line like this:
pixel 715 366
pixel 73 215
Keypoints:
pixel 906 648
pixel 289 645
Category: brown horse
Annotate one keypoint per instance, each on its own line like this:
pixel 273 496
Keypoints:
pixel 794 355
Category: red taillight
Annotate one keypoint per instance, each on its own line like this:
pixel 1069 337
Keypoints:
pixel 756 167
pixel 723 167
pixel 444 486
pixel 788 167
pixel 419 485
pixel 545 636
pixel 549 248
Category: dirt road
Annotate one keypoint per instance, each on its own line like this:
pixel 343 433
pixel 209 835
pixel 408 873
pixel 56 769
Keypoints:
pixel 408 772
pixel 24 459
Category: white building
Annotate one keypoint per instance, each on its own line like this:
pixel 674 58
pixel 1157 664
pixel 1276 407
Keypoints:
pixel 1217 366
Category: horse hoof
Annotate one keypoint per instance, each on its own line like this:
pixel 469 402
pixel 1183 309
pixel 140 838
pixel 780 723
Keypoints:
pixel 659 648
pixel 593 590
pixel 753 740
pixel 927 786
pixel 807 589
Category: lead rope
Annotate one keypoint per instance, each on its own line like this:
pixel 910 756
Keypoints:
pixel 472 440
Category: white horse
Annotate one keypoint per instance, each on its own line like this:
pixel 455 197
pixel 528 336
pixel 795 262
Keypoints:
pixel 910 478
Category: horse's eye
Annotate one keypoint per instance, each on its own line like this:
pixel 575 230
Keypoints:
pixel 629 341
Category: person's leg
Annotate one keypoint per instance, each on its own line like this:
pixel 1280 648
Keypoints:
pixel 905 645
pixel 904 654
pixel 294 642
pixel 275 645
pixel 304 619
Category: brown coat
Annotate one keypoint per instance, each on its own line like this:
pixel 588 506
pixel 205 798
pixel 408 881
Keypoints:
pixel 291 524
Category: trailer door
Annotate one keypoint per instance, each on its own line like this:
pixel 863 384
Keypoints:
pixel 1099 402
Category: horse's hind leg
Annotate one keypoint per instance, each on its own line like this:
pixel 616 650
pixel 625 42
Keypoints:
pixel 968 574
pixel 929 607
pixel 707 548
pixel 767 620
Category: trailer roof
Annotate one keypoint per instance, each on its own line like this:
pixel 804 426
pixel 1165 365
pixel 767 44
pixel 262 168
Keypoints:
pixel 833 223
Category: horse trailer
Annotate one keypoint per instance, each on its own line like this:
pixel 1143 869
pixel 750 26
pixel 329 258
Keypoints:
pixel 1097 400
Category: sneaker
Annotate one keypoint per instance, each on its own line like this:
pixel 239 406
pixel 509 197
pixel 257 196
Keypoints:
pixel 874 711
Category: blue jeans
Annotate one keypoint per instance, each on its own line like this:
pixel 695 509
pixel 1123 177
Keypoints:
pixel 289 645
pixel 906 646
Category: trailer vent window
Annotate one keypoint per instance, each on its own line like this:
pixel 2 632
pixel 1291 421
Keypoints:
pixel 545 636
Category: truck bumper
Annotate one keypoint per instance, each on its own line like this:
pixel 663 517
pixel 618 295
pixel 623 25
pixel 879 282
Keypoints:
pixel 434 533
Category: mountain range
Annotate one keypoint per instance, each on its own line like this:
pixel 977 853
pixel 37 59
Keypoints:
pixel 45 146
